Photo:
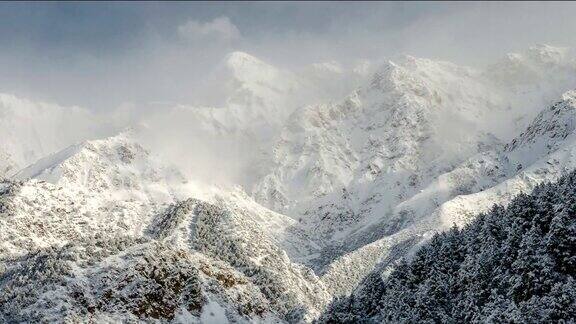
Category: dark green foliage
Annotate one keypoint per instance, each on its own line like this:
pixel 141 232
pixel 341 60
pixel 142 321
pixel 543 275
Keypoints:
pixel 513 264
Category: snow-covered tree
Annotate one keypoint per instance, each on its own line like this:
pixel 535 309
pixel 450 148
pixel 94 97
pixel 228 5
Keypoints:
pixel 513 264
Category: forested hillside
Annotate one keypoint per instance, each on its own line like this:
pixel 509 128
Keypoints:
pixel 513 264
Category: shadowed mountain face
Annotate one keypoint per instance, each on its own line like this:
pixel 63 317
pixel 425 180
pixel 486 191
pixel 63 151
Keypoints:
pixel 304 186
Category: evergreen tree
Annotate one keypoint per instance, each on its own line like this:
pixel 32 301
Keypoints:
pixel 513 264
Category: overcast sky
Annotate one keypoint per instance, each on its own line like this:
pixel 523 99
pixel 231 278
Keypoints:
pixel 100 55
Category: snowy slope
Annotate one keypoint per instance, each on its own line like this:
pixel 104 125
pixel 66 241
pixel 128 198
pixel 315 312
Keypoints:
pixel 418 148
pixel 542 153
pixel 126 280
pixel 380 144
pixel 346 166
pixel 111 185
pixel 94 214
pixel 30 130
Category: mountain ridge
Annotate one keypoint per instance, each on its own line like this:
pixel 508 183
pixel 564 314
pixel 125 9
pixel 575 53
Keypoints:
pixel 333 192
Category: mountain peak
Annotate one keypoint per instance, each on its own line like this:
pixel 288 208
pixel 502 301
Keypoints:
pixel 550 127
pixel 538 57
pixel 239 56
pixel 114 163
pixel 546 53
pixel 240 61
pixel 249 72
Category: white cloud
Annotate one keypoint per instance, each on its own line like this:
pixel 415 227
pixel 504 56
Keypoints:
pixel 219 29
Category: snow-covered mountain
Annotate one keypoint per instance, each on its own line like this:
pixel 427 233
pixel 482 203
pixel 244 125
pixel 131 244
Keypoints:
pixel 102 186
pixel 455 197
pixel 362 169
pixel 30 130
pixel 233 139
pixel 96 212
pixel 267 207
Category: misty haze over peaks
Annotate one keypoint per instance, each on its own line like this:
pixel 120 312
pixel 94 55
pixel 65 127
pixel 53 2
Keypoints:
pixel 286 162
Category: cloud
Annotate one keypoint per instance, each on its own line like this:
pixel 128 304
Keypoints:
pixel 113 54
pixel 219 29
